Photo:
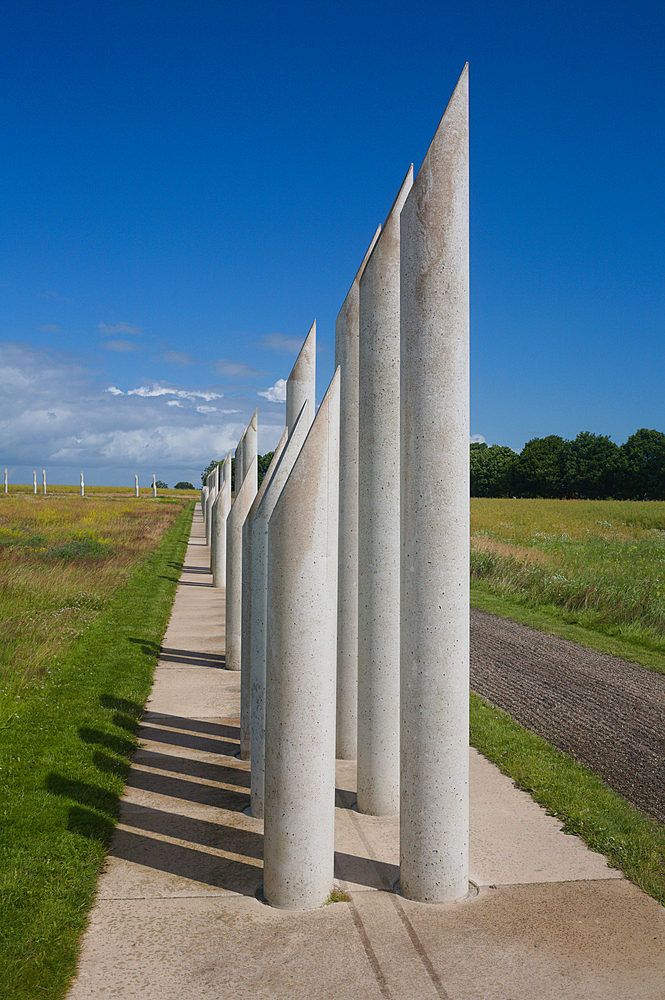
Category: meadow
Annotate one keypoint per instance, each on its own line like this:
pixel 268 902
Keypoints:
pixel 86 589
pixel 594 565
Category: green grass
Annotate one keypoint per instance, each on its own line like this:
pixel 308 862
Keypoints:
pixel 587 807
pixel 64 753
pixel 591 570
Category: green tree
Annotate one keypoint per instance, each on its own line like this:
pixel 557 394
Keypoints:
pixel 161 485
pixel 540 468
pixel 183 486
pixel 490 469
pixel 592 467
pixel 643 456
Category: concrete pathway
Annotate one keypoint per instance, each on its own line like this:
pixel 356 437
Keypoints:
pixel 177 917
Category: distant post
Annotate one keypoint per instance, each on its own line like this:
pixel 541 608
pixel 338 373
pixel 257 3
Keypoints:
pixel 44 482
pixel 34 480
pixel 154 485
pixel 136 486
pixel 6 484
pixel 82 486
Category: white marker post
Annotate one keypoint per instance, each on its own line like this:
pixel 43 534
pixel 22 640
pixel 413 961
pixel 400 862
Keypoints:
pixel 34 480
pixel 434 309
pixel 6 483
pixel 136 486
pixel 44 482
pixel 154 485
pixel 82 486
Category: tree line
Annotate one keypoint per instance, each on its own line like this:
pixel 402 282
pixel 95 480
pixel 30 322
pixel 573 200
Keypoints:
pixel 592 467
pixel 262 461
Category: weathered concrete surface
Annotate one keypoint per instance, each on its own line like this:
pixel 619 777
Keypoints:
pixel 379 521
pixel 176 917
pixel 301 383
pixel 259 605
pixel 301 672
pixel 246 612
pixel 241 505
pixel 346 359
pixel 434 625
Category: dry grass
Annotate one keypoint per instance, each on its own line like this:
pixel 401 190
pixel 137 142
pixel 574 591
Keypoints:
pixel 61 557
pixel 600 563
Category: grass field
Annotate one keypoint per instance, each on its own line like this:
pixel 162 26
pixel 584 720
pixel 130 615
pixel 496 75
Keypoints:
pixel 595 564
pixel 86 588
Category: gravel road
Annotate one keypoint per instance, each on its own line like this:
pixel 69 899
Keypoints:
pixel 606 713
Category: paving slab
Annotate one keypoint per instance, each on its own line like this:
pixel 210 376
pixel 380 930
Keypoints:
pixel 177 913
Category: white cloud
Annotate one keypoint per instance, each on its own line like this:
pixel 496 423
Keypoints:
pixel 107 330
pixel 55 413
pixel 477 439
pixel 236 369
pixel 276 393
pixel 120 345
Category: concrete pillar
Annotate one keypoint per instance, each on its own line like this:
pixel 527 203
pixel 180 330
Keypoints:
pixel 34 480
pixel 301 383
pixel 259 604
pixel 6 483
pixel 210 499
pixel 236 518
pixel 44 482
pixel 219 514
pixel 246 614
pixel 82 486
pixel 239 469
pixel 346 359
pixel 435 516
pixel 154 485
pixel 378 522
pixel 204 497
pixel 136 486
pixel 301 672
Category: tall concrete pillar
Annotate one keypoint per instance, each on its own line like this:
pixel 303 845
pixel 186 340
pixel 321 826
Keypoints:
pixel 236 518
pixel 211 483
pixel 259 604
pixel 346 359
pixel 154 485
pixel 239 470
pixel 435 516
pixel 220 512
pixel 246 615
pixel 44 482
pixel 379 521
pixel 34 480
pixel 82 486
pixel 7 484
pixel 136 486
pixel 204 497
pixel 301 383
pixel 300 694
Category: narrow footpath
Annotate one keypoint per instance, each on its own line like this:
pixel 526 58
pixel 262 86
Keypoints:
pixel 177 916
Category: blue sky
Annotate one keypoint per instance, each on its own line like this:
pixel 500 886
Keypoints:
pixel 186 186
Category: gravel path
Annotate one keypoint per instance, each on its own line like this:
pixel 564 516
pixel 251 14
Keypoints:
pixel 606 713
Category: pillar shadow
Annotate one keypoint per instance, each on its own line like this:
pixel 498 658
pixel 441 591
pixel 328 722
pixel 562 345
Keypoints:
pixel 219 729
pixel 192 658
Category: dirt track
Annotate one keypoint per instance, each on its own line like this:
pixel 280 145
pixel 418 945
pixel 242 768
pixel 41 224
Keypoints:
pixel 606 713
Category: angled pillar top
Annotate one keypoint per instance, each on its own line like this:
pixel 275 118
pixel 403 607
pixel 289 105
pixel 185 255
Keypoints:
pixel 301 383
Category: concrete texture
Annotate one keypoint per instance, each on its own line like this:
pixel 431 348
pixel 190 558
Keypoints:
pixel 243 501
pixel 301 383
pixel 259 604
pixel 346 359
pixel 246 612
pixel 434 624
pixel 176 917
pixel 301 672
pixel 379 521
pixel 219 514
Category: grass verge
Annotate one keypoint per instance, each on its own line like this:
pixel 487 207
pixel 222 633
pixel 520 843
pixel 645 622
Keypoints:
pixel 608 823
pixel 64 760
